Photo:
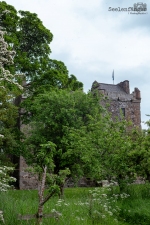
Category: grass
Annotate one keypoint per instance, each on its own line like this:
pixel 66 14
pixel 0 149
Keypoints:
pixel 81 207
pixel 135 210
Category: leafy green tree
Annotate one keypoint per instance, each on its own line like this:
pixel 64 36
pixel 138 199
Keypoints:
pixel 117 166
pixel 146 160
pixel 74 84
pixel 87 141
pixel 108 144
pixel 140 154
pixel 51 116
pixel 43 165
pixel 55 76
pixel 30 39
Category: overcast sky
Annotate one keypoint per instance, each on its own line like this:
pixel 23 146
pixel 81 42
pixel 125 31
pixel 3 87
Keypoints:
pixel 92 41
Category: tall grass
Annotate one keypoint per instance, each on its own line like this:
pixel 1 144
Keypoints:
pixel 136 209
pixel 85 206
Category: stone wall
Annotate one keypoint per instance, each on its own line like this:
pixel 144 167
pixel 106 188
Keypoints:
pixel 27 180
pixel 131 109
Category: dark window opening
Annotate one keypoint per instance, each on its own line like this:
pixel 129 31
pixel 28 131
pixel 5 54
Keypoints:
pixel 123 111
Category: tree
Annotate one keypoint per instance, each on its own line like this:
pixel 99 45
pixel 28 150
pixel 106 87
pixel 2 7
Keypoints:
pixel 43 165
pixel 74 84
pixel 27 53
pixel 9 89
pixel 87 141
pixel 146 160
pixel 140 154
pixel 30 39
pixel 5 178
pixel 108 149
pixel 55 76
pixel 51 116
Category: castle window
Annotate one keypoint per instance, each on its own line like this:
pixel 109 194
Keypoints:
pixel 123 111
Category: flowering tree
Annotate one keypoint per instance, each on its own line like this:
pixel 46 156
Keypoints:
pixel 6 58
pixel 9 89
pixel 5 178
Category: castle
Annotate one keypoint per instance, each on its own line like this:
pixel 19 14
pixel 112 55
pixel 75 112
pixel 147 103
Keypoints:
pixel 119 99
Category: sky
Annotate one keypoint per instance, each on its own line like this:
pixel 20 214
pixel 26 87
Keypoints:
pixel 93 38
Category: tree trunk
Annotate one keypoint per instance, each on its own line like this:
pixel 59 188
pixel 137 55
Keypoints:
pixel 61 195
pixel 148 176
pixel 121 183
pixel 41 188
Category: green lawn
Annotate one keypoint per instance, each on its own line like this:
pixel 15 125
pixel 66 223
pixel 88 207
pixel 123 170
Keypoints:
pixel 85 206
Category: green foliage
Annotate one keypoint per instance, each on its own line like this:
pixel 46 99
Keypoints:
pixel 87 141
pixel 30 39
pixel 54 75
pixel 73 83
pixel 53 117
pixel 108 148
pixel 140 152
pixel 28 53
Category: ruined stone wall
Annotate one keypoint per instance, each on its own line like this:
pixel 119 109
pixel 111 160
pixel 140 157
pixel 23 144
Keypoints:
pixel 27 180
pixel 131 109
pixel 133 113
pixel 125 86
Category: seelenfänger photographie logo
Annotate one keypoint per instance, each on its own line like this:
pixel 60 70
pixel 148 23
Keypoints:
pixel 137 8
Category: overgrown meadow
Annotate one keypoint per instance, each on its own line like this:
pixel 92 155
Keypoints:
pixel 86 206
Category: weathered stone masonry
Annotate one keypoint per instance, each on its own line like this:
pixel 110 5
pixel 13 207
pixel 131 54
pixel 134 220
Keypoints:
pixel 120 99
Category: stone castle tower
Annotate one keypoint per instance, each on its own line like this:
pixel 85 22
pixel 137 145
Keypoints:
pixel 120 100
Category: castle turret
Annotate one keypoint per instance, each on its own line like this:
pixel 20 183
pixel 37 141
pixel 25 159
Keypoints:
pixel 125 86
pixel 137 93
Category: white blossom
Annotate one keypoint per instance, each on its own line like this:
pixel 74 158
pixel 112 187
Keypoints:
pixel 6 58
pixel 5 179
